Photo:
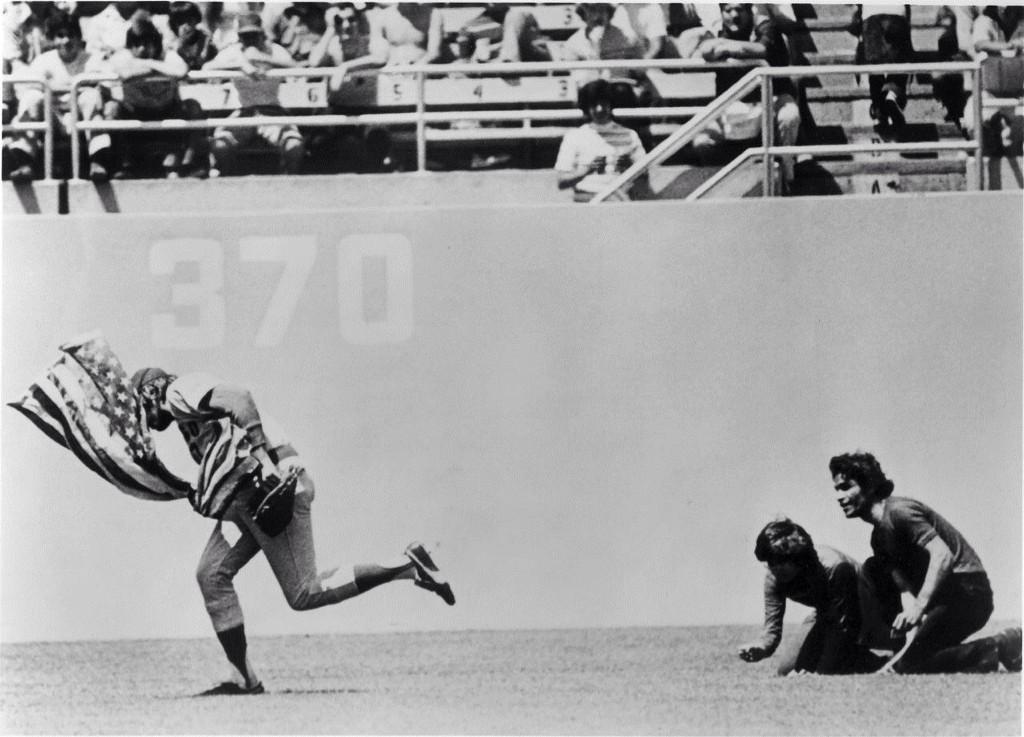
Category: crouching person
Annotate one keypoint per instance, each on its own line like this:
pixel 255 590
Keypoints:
pixel 149 91
pixel 823 579
pixel 254 55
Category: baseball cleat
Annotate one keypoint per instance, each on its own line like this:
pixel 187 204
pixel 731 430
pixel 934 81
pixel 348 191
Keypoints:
pixel 230 688
pixel 427 573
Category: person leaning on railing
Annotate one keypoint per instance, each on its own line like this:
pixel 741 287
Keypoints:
pixel 741 38
pixel 191 42
pixel 58 67
pixel 502 32
pixel 998 40
pixel 149 91
pixel 254 55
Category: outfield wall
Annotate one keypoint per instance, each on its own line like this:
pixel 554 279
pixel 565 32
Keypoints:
pixel 613 399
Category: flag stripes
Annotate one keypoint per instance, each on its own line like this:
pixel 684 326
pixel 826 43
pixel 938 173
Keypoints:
pixel 85 403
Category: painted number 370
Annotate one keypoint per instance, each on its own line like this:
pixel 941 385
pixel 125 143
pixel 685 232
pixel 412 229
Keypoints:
pixel 374 281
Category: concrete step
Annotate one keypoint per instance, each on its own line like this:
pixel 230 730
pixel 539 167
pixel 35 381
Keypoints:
pixel 857 111
pixel 881 177
pixel 919 14
pixel 924 38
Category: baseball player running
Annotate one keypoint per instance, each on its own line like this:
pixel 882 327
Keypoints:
pixel 252 477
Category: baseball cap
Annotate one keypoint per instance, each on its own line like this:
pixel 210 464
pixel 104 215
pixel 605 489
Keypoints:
pixel 250 23
pixel 145 375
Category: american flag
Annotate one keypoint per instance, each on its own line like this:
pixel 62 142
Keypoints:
pixel 85 402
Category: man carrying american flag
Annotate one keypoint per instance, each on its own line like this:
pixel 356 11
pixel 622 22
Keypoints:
pixel 86 402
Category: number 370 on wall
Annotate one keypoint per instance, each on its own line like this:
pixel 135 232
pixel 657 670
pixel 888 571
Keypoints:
pixel 374 282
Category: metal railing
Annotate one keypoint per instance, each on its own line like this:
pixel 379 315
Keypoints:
pixel 45 125
pixel 420 118
pixel 763 78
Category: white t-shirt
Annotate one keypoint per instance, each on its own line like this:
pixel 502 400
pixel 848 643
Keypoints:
pixel 582 145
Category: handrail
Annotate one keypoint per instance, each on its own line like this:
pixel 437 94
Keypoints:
pixel 689 131
pixel 686 133
pixel 45 125
pixel 826 150
pixel 419 118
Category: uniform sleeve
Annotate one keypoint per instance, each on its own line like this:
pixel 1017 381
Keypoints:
pixel 185 396
pixel 774 611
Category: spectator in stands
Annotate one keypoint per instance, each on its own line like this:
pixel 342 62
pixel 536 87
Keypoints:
pixel 191 41
pixel 645 25
pixel 954 45
pixel 686 29
pixel 884 32
pixel 414 34
pixel 299 29
pixel 593 155
pixel 998 40
pixel 599 39
pixel 502 32
pixel 999 30
pixel 149 91
pixel 104 32
pixel 348 43
pixel 739 39
pixel 254 55
pixel 60 66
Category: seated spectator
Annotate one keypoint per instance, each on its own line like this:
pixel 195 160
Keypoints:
pixel 998 40
pixel 191 41
pixel 823 579
pixel 599 39
pixel 67 60
pixel 254 55
pixel 593 155
pixel 884 32
pixel 686 29
pixel 740 38
pixel 999 30
pixel 954 44
pixel 414 34
pixel 149 91
pixel 645 25
pixel 104 32
pixel 299 29
pixel 348 43
pixel 502 33
pixel 221 19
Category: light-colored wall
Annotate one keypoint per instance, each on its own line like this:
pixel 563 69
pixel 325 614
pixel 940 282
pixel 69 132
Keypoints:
pixel 593 409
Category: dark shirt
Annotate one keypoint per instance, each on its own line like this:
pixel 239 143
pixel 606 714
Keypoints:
pixel 766 33
pixel 197 49
pixel 830 588
pixel 899 541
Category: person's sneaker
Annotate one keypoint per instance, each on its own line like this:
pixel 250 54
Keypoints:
pixel 1009 643
pixel 893 111
pixel 427 573
pixel 22 174
pixel 230 688
pixel 98 173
